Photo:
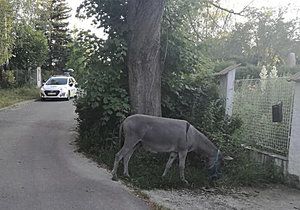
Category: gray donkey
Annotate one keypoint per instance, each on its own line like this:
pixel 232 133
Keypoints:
pixel 157 134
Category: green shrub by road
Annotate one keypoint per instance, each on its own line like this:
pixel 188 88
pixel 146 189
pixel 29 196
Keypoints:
pixel 14 95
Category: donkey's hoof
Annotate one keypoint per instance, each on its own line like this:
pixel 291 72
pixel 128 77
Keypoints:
pixel 126 176
pixel 114 178
pixel 185 182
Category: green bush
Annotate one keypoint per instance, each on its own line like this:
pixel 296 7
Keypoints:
pixel 106 105
pixel 288 71
pixel 248 71
pixel 103 107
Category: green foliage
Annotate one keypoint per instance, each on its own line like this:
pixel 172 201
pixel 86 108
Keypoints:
pixel 33 13
pixel 264 39
pixel 82 50
pixel 244 170
pixel 10 78
pixel 252 71
pixel 188 92
pixel 58 35
pixel 102 65
pixel 111 15
pixel 104 105
pixel 6 25
pixel 30 51
pixel 248 71
pixel 284 71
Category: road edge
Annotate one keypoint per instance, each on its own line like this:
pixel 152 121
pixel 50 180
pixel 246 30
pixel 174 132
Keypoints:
pixel 17 104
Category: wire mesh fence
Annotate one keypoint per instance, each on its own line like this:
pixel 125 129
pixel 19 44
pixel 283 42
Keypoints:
pixel 253 103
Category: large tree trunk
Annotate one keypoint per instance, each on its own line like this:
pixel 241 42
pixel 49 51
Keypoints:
pixel 144 20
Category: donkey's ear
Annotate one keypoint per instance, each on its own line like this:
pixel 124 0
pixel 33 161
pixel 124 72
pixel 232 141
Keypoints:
pixel 228 158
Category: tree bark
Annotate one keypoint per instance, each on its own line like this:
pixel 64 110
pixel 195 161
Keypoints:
pixel 144 21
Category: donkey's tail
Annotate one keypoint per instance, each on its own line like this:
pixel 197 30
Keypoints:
pixel 121 140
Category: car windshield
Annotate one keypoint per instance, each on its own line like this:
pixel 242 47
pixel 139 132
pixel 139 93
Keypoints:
pixel 57 81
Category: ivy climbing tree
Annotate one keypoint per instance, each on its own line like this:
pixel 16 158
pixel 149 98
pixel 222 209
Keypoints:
pixel 144 68
pixel 135 25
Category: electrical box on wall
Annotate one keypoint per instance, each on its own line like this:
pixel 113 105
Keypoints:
pixel 277 112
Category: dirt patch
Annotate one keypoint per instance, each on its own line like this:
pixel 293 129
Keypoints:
pixel 270 198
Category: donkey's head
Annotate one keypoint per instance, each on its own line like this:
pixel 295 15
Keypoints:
pixel 216 164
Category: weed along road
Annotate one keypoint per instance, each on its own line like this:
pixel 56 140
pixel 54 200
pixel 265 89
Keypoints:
pixel 40 170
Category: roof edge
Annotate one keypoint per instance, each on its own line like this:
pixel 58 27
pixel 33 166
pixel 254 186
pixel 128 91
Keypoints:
pixel 227 69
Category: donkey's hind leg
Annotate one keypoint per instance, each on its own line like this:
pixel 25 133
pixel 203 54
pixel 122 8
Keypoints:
pixel 118 158
pixel 122 154
pixel 126 160
pixel 182 157
pixel 172 157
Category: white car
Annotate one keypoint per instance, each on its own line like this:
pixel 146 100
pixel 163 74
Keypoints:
pixel 59 87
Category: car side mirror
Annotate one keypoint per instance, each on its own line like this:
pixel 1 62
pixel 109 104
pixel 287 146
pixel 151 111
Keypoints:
pixel 71 84
pixel 43 84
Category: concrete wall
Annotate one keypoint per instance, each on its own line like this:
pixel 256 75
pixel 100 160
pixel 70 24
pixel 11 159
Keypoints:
pixel 230 92
pixel 227 90
pixel 38 77
pixel 294 149
pixel 268 158
pixel 291 60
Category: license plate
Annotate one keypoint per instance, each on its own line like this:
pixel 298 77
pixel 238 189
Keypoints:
pixel 51 94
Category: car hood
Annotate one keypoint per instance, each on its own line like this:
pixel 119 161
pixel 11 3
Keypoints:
pixel 54 87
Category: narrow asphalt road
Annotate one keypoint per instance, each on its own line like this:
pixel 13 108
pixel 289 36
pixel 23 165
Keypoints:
pixel 40 170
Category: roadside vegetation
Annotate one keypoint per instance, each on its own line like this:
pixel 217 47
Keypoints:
pixel 146 168
pixel 14 95
pixel 193 40
pixel 33 34
pixel 189 89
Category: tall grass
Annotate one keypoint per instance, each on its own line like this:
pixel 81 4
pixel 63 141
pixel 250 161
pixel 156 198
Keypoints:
pixel 146 168
pixel 14 95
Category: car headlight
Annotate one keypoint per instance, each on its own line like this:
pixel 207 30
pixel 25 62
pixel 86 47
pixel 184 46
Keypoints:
pixel 42 89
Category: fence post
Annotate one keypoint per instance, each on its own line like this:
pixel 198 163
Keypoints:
pixel 294 148
pixel 226 89
pixel 291 60
pixel 38 77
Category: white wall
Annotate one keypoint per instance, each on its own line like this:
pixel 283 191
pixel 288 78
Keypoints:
pixel 294 150
pixel 38 77
pixel 230 92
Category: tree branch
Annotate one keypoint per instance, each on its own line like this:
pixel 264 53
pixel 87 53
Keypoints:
pixel 230 11
pixel 198 36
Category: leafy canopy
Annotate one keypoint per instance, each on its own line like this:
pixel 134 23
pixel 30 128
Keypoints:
pixel 6 35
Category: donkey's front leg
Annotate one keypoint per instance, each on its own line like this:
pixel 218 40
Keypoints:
pixel 182 157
